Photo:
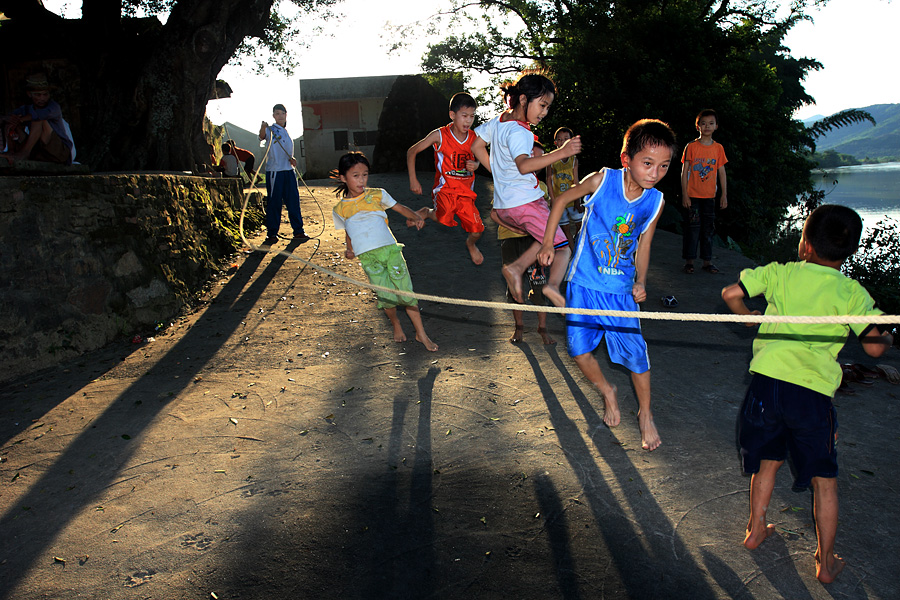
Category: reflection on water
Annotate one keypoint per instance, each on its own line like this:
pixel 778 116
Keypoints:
pixel 872 190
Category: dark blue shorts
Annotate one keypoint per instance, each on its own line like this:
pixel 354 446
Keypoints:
pixel 624 342
pixel 780 418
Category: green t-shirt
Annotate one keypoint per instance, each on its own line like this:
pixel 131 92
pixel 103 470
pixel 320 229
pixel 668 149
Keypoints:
pixel 805 353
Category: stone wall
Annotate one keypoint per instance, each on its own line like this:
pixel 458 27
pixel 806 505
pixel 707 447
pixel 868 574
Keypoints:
pixel 87 259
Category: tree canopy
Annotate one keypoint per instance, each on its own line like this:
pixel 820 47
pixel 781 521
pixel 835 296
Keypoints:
pixel 143 84
pixel 616 61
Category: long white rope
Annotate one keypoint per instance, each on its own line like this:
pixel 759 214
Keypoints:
pixel 657 316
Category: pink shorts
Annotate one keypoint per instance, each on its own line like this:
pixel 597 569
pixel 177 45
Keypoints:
pixel 532 218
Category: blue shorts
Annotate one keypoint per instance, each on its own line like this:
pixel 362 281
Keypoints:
pixel 780 418
pixel 624 342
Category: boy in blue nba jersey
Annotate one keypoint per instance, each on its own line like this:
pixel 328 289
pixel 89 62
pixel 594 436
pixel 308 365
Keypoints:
pixel 609 264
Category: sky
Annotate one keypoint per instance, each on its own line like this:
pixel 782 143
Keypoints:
pixel 853 39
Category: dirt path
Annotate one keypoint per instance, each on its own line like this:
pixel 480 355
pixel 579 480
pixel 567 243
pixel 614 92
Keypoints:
pixel 278 443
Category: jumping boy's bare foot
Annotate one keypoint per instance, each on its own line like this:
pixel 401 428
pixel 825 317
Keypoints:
pixel 545 337
pixel 518 335
pixel 426 341
pixel 650 439
pixel 611 407
pixel 513 282
pixel 827 573
pixel 475 253
pixel 553 294
pixel 754 538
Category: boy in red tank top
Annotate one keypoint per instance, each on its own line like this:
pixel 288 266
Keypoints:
pixel 454 173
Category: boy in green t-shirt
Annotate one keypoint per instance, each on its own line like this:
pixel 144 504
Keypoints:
pixel 795 373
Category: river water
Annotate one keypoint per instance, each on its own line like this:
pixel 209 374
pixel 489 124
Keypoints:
pixel 872 190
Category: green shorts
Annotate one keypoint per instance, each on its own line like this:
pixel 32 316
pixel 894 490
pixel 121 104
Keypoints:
pixel 386 267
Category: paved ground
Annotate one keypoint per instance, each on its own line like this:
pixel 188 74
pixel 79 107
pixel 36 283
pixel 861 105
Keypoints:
pixel 277 443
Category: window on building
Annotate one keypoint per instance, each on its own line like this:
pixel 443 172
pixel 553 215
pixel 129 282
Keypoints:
pixel 365 138
pixel 341 140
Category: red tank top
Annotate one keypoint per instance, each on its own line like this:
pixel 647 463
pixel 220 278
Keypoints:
pixel 450 157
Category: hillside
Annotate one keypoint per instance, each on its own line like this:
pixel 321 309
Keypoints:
pixel 862 140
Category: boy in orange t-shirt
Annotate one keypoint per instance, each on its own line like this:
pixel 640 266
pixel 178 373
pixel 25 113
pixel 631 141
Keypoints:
pixel 703 162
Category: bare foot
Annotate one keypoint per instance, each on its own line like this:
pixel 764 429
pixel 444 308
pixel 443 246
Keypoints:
pixel 513 282
pixel 650 439
pixel 518 335
pixel 754 538
pixel 828 573
pixel 545 337
pixel 552 294
pixel 426 341
pixel 611 407
pixel 399 336
pixel 475 253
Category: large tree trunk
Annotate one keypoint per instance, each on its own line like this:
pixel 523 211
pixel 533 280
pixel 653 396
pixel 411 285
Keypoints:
pixel 144 85
pixel 146 108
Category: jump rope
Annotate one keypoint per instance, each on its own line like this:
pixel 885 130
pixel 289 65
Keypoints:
pixel 647 315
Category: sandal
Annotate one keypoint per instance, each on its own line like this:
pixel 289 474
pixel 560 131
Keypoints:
pixel 688 269
pixel 711 268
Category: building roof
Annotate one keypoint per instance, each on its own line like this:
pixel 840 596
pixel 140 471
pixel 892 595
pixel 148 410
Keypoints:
pixel 346 88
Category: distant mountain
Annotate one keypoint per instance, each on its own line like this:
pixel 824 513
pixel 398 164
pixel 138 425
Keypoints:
pixel 862 140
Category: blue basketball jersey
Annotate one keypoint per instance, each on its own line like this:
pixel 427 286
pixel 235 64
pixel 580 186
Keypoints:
pixel 603 257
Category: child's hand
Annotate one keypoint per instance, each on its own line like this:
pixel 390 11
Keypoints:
pixel 348 253
pixel 753 312
pixel 639 292
pixel 264 124
pixel 415 187
pixel 723 201
pixel 419 222
pixel 572 146
pixel 579 205
pixel 545 256
pixel 472 165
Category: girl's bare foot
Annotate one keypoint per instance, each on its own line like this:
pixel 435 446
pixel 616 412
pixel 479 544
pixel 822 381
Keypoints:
pixel 754 538
pixel 518 335
pixel 399 336
pixel 475 253
pixel 611 407
pixel 827 573
pixel 545 337
pixel 553 294
pixel 426 341
pixel 513 282
pixel 650 439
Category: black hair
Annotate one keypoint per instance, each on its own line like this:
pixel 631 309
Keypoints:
pixel 833 231
pixel 532 84
pixel 226 147
pixel 706 112
pixel 462 100
pixel 564 130
pixel 345 163
pixel 279 107
pixel 647 132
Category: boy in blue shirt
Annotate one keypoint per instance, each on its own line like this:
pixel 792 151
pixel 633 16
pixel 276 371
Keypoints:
pixel 788 406
pixel 609 264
